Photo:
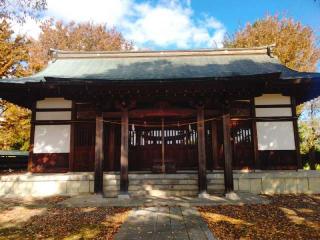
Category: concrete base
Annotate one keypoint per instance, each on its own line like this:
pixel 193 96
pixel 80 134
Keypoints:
pixel 204 195
pixel 165 185
pixel 123 196
pixel 232 196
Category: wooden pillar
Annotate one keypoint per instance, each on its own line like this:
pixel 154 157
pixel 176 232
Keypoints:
pixel 32 129
pixel 214 142
pixel 99 155
pixel 256 159
pixel 296 132
pixel 124 179
pixel 71 154
pixel 202 175
pixel 111 147
pixel 228 175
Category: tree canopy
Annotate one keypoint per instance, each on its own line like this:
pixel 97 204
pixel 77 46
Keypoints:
pixel 73 36
pixel 14 121
pixel 296 47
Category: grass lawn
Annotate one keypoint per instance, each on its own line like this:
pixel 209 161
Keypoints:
pixel 43 219
pixel 286 217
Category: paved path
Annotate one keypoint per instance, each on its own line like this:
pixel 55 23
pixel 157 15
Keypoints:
pixel 161 223
pixel 92 200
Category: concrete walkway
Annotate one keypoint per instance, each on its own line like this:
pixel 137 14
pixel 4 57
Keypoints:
pixel 164 223
pixel 212 200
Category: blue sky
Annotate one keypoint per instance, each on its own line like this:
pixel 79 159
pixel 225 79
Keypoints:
pixel 235 13
pixel 174 24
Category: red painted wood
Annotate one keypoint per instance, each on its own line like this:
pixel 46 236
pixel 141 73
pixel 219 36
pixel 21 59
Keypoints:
pixel 49 162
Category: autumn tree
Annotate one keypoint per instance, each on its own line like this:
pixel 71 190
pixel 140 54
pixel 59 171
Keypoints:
pixel 297 47
pixel 14 121
pixel 72 36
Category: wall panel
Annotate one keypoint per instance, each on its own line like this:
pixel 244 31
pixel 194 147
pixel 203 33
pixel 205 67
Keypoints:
pixel 54 103
pixel 273 112
pixel 272 99
pixel 64 115
pixel 275 135
pixel 52 139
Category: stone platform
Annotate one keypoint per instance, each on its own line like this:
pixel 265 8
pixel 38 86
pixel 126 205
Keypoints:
pixel 96 200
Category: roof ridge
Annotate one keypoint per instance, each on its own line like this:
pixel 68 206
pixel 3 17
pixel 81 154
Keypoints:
pixel 56 53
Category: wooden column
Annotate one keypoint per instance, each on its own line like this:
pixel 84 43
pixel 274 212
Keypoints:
pixel 202 175
pixel 228 175
pixel 111 147
pixel 71 154
pixel 214 142
pixel 32 129
pixel 98 163
pixel 256 159
pixel 124 179
pixel 296 132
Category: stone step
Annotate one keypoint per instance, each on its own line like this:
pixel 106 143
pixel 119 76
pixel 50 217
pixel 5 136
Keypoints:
pixel 215 187
pixel 163 181
pixel 153 176
pixel 164 187
pixel 215 181
pixel 163 193
pixel 153 187
pixel 144 193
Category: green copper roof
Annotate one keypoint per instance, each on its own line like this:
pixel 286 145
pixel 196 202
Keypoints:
pixel 162 65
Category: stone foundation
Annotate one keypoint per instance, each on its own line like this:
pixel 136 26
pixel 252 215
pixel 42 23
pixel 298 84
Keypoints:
pixel 266 182
pixel 269 182
pixel 47 184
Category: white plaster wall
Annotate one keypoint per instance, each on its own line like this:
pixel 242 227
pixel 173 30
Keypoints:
pixel 52 139
pixel 273 112
pixel 275 135
pixel 54 103
pixel 53 115
pixel 271 99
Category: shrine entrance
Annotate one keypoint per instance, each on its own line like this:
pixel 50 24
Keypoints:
pixel 163 144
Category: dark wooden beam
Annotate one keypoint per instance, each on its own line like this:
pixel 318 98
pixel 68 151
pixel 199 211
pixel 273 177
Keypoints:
pixel 32 129
pixel 296 132
pixel 111 147
pixel 202 176
pixel 73 119
pixel 228 175
pixel 214 142
pixel 124 179
pixel 256 159
pixel 99 155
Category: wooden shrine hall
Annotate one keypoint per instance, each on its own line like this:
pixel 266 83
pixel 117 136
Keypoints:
pixel 163 112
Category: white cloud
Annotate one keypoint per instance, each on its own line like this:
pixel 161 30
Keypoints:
pixel 111 12
pixel 166 24
pixel 170 23
pixel 30 28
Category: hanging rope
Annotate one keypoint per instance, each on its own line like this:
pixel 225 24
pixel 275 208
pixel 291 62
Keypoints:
pixel 179 124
